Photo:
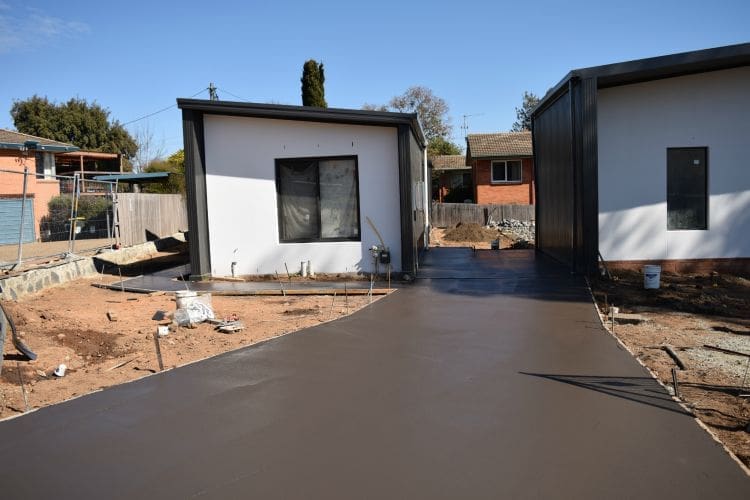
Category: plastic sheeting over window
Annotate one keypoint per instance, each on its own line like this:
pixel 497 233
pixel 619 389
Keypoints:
pixel 339 214
pixel 318 199
pixel 298 199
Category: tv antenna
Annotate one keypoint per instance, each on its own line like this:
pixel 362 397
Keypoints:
pixel 465 126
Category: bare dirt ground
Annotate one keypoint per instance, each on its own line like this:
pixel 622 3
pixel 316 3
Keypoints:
pixel 689 313
pixel 483 241
pixel 69 325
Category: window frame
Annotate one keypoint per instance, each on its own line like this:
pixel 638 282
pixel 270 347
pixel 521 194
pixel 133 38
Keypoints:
pixel 707 195
pixel 505 168
pixel 317 160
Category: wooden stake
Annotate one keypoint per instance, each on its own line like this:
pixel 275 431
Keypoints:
pixel 23 387
pixel 346 298
pixel 332 300
pixel 674 382
pixel 289 276
pixel 281 285
pixel 158 352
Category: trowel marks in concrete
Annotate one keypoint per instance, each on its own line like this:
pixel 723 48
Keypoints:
pixel 501 386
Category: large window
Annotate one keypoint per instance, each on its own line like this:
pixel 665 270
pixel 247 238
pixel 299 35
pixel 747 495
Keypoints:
pixel 318 199
pixel 687 188
pixel 505 171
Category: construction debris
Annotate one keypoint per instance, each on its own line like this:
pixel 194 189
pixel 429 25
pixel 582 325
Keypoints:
pixel 230 326
pixel 111 315
pixel 674 356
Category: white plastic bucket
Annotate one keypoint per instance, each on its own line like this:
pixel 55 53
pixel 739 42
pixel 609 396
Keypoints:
pixel 185 298
pixel 651 276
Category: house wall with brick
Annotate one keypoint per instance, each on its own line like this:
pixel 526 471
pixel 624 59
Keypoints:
pixel 486 192
pixel 11 184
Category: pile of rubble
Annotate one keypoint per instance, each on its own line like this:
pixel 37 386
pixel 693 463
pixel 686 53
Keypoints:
pixel 521 232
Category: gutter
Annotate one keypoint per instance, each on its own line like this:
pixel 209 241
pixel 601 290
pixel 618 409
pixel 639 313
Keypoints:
pixel 39 147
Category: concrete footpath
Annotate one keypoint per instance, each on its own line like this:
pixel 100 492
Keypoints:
pixel 491 377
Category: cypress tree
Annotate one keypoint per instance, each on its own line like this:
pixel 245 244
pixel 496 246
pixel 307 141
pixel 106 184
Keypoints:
pixel 313 93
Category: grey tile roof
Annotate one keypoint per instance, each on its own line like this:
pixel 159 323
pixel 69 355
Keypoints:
pixel 9 137
pixel 504 144
pixel 449 162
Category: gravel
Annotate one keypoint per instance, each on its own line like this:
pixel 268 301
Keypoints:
pixel 518 230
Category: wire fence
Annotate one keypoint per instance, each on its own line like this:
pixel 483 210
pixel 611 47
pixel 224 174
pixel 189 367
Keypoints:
pixel 44 215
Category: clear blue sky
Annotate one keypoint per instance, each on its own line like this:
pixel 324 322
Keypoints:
pixel 136 57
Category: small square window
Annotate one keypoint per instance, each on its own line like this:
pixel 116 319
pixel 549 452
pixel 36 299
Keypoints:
pixel 507 171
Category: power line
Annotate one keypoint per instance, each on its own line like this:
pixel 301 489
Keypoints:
pixel 161 110
pixel 234 95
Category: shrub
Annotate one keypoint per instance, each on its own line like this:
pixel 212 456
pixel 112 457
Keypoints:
pixel 92 214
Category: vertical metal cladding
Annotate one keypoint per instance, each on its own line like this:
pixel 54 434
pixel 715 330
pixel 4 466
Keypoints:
pixel 565 149
pixel 553 136
pixel 195 184
pixel 408 253
pixel 589 161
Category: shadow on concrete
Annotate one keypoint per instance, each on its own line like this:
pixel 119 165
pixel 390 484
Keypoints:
pixel 147 266
pixel 643 390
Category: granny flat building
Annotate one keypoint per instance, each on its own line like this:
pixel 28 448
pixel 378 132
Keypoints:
pixel 271 186
pixel 646 162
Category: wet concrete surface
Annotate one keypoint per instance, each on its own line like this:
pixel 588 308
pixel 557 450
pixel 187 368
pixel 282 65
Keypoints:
pixel 504 385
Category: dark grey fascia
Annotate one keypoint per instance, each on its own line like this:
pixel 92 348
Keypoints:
pixel 653 68
pixel 195 187
pixel 306 113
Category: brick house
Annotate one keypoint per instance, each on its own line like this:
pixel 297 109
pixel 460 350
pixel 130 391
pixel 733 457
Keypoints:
pixel 451 174
pixel 502 167
pixel 38 155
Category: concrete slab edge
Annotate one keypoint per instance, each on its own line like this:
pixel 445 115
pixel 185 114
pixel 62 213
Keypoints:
pixel 254 345
pixel 655 377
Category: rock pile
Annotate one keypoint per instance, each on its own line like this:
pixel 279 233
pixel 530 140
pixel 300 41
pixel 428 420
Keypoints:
pixel 520 231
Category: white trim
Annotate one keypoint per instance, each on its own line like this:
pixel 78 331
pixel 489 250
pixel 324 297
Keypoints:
pixel 505 165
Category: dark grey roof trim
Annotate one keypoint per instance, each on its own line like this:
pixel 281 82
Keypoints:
pixel 39 147
pixel 142 177
pixel 654 68
pixel 305 113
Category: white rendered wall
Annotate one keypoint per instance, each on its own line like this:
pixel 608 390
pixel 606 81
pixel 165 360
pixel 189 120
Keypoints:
pixel 636 125
pixel 241 193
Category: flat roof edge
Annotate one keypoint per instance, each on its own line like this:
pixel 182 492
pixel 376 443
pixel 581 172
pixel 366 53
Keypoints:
pixel 305 113
pixel 654 68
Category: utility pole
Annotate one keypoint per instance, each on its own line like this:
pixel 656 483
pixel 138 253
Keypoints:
pixel 212 92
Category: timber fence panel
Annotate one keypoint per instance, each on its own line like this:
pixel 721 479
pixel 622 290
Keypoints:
pixel 146 216
pixel 450 214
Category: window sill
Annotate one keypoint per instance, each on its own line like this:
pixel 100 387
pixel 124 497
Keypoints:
pixel 322 240
pixel 504 183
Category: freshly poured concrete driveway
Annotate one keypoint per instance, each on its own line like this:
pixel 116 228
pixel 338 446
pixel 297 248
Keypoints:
pixel 489 378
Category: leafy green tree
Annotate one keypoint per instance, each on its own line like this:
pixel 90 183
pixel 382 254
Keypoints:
pixel 175 166
pixel 442 146
pixel 523 114
pixel 313 78
pixel 86 125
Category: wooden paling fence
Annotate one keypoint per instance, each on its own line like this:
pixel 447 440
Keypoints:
pixel 143 216
pixel 450 214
